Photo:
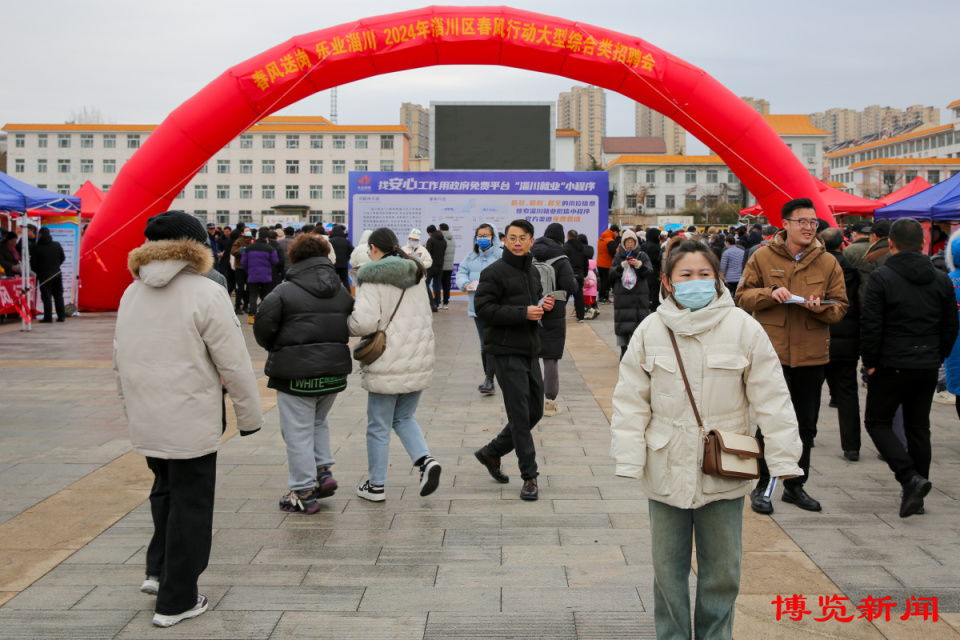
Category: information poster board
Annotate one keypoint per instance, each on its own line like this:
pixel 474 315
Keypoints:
pixel 405 200
pixel 66 231
pixel 674 223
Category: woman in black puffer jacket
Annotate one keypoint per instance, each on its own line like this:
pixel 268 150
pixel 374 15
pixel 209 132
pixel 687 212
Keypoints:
pixel 303 324
pixel 630 306
pixel 652 248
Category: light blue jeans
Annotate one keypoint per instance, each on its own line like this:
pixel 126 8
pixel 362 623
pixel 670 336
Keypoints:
pixel 717 527
pixel 303 423
pixel 386 412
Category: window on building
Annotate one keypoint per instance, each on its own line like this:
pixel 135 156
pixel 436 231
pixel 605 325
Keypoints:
pixel 268 141
pixel 731 178
pixel 223 192
pixel 954 172
pixel 713 175
pixel 651 176
pixel 268 166
pixel 293 167
pixel 339 142
pixel 86 166
pixel 19 165
pixel 63 166
pixel 926 144
pixel 293 192
pixel 244 215
pixel 359 142
pixel 203 169
pixel 650 202
pixel 386 165
pixel 386 142
pixel 246 166
pixel 809 150
pixel 200 215
pixel 339 192
pixel 200 192
pixel 733 198
pixel 933 176
pixel 20 140
pixel 631 202
pixel 104 187
pixel 315 216
pixel 63 140
pixel 223 166
pixel 671 202
pixel 41 166
pixel 670 175
pixel 42 141
pixel 109 141
pixel 360 165
pixel 316 167
pixel 246 141
pixel 631 176
pixel 246 192
pixel 316 142
pixel 109 166
pixel 293 142
pixel 133 141
pixel 339 166
pixel 339 217
pixel 690 176
pixel 267 192
pixel 86 141
pixel 223 217
pixel 43 186
pixel 182 194
pixel 689 202
pixel 316 192
pixel 64 189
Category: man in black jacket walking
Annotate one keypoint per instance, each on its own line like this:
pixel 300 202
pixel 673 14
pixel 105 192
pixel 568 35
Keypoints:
pixel 508 302
pixel 343 250
pixel 908 324
pixel 437 246
pixel 578 260
pixel 841 371
pixel 46 256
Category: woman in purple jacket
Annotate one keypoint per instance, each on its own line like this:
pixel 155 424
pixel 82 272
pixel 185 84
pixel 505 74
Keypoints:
pixel 258 261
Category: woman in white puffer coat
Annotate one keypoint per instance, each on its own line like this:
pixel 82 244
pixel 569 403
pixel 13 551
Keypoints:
pixel 394 282
pixel 731 365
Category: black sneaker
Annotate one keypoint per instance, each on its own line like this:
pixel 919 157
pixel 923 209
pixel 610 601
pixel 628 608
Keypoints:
pixel 429 476
pixel 852 456
pixel 914 491
pixel 760 503
pixel 371 492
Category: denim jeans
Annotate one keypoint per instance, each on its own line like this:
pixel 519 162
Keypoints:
pixel 386 411
pixel 717 527
pixel 303 423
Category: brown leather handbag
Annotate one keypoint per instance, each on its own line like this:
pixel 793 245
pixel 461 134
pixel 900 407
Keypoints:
pixel 724 453
pixel 373 345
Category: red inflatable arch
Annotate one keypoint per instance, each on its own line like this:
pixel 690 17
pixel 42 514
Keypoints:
pixel 316 61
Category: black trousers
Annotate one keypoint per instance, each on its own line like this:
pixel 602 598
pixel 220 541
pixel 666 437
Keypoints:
pixel 434 286
pixel 445 281
pixel 604 292
pixel 181 502
pixel 842 380
pixel 53 288
pixel 343 273
pixel 228 274
pixel 805 385
pixel 488 368
pixel 578 305
pixel 914 389
pixel 243 296
pixel 522 386
pixel 257 291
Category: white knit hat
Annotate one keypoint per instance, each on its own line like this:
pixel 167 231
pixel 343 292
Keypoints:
pixel 414 234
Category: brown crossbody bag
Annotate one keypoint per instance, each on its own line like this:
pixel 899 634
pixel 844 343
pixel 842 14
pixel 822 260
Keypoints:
pixel 724 454
pixel 373 345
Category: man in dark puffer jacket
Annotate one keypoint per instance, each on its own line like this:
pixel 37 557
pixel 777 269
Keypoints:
pixel 303 325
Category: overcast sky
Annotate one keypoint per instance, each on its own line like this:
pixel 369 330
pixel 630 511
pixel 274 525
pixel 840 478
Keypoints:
pixel 137 61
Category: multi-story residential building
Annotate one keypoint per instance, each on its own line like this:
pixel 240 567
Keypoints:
pixel 876 168
pixel 417 121
pixel 652 124
pixel 759 105
pixel 803 138
pixel 284 163
pixel 585 110
pixel 848 125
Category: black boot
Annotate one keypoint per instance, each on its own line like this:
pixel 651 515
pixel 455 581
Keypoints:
pixel 487 387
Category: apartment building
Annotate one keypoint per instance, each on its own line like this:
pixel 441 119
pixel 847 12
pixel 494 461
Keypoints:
pixel 294 164
pixel 417 121
pixel 584 109
pixel 759 105
pixel 651 124
pixel 849 125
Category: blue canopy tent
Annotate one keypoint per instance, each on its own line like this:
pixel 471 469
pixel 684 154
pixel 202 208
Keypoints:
pixel 20 197
pixel 939 203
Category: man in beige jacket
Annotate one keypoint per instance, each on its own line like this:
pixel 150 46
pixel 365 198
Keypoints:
pixel 176 339
pixel 795 265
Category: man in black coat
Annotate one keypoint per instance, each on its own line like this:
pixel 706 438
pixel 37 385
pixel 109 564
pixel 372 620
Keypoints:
pixel 841 371
pixel 755 237
pixel 508 302
pixel 908 324
pixel 437 247
pixel 343 250
pixel 46 256
pixel 578 261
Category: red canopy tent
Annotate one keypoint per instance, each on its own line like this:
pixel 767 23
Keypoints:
pixel 90 199
pixel 840 202
pixel 912 188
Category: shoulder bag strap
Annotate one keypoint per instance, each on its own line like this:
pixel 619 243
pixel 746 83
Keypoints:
pixel 394 310
pixel 686 382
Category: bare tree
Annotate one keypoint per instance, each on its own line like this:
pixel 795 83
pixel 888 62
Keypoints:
pixel 88 115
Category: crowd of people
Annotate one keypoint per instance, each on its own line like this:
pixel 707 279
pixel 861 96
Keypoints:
pixel 712 328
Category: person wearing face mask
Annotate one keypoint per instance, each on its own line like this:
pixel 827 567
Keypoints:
pixel 732 367
pixel 417 250
pixel 486 251
pixel 243 240
pixel 630 304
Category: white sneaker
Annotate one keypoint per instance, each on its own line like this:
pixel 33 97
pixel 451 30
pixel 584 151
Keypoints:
pixel 161 620
pixel 429 476
pixel 944 397
pixel 151 585
pixel 371 492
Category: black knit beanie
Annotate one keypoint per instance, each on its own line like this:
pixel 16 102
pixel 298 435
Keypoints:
pixel 174 225
pixel 554 232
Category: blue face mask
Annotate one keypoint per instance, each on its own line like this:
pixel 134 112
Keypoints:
pixel 694 294
pixel 483 243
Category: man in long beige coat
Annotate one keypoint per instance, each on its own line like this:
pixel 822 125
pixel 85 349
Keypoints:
pixel 795 264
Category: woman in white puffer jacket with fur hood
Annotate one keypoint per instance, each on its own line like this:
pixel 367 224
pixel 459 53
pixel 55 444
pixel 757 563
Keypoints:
pixel 393 281
pixel 731 366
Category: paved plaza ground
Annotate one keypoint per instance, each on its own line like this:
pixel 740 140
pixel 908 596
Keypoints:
pixel 470 561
